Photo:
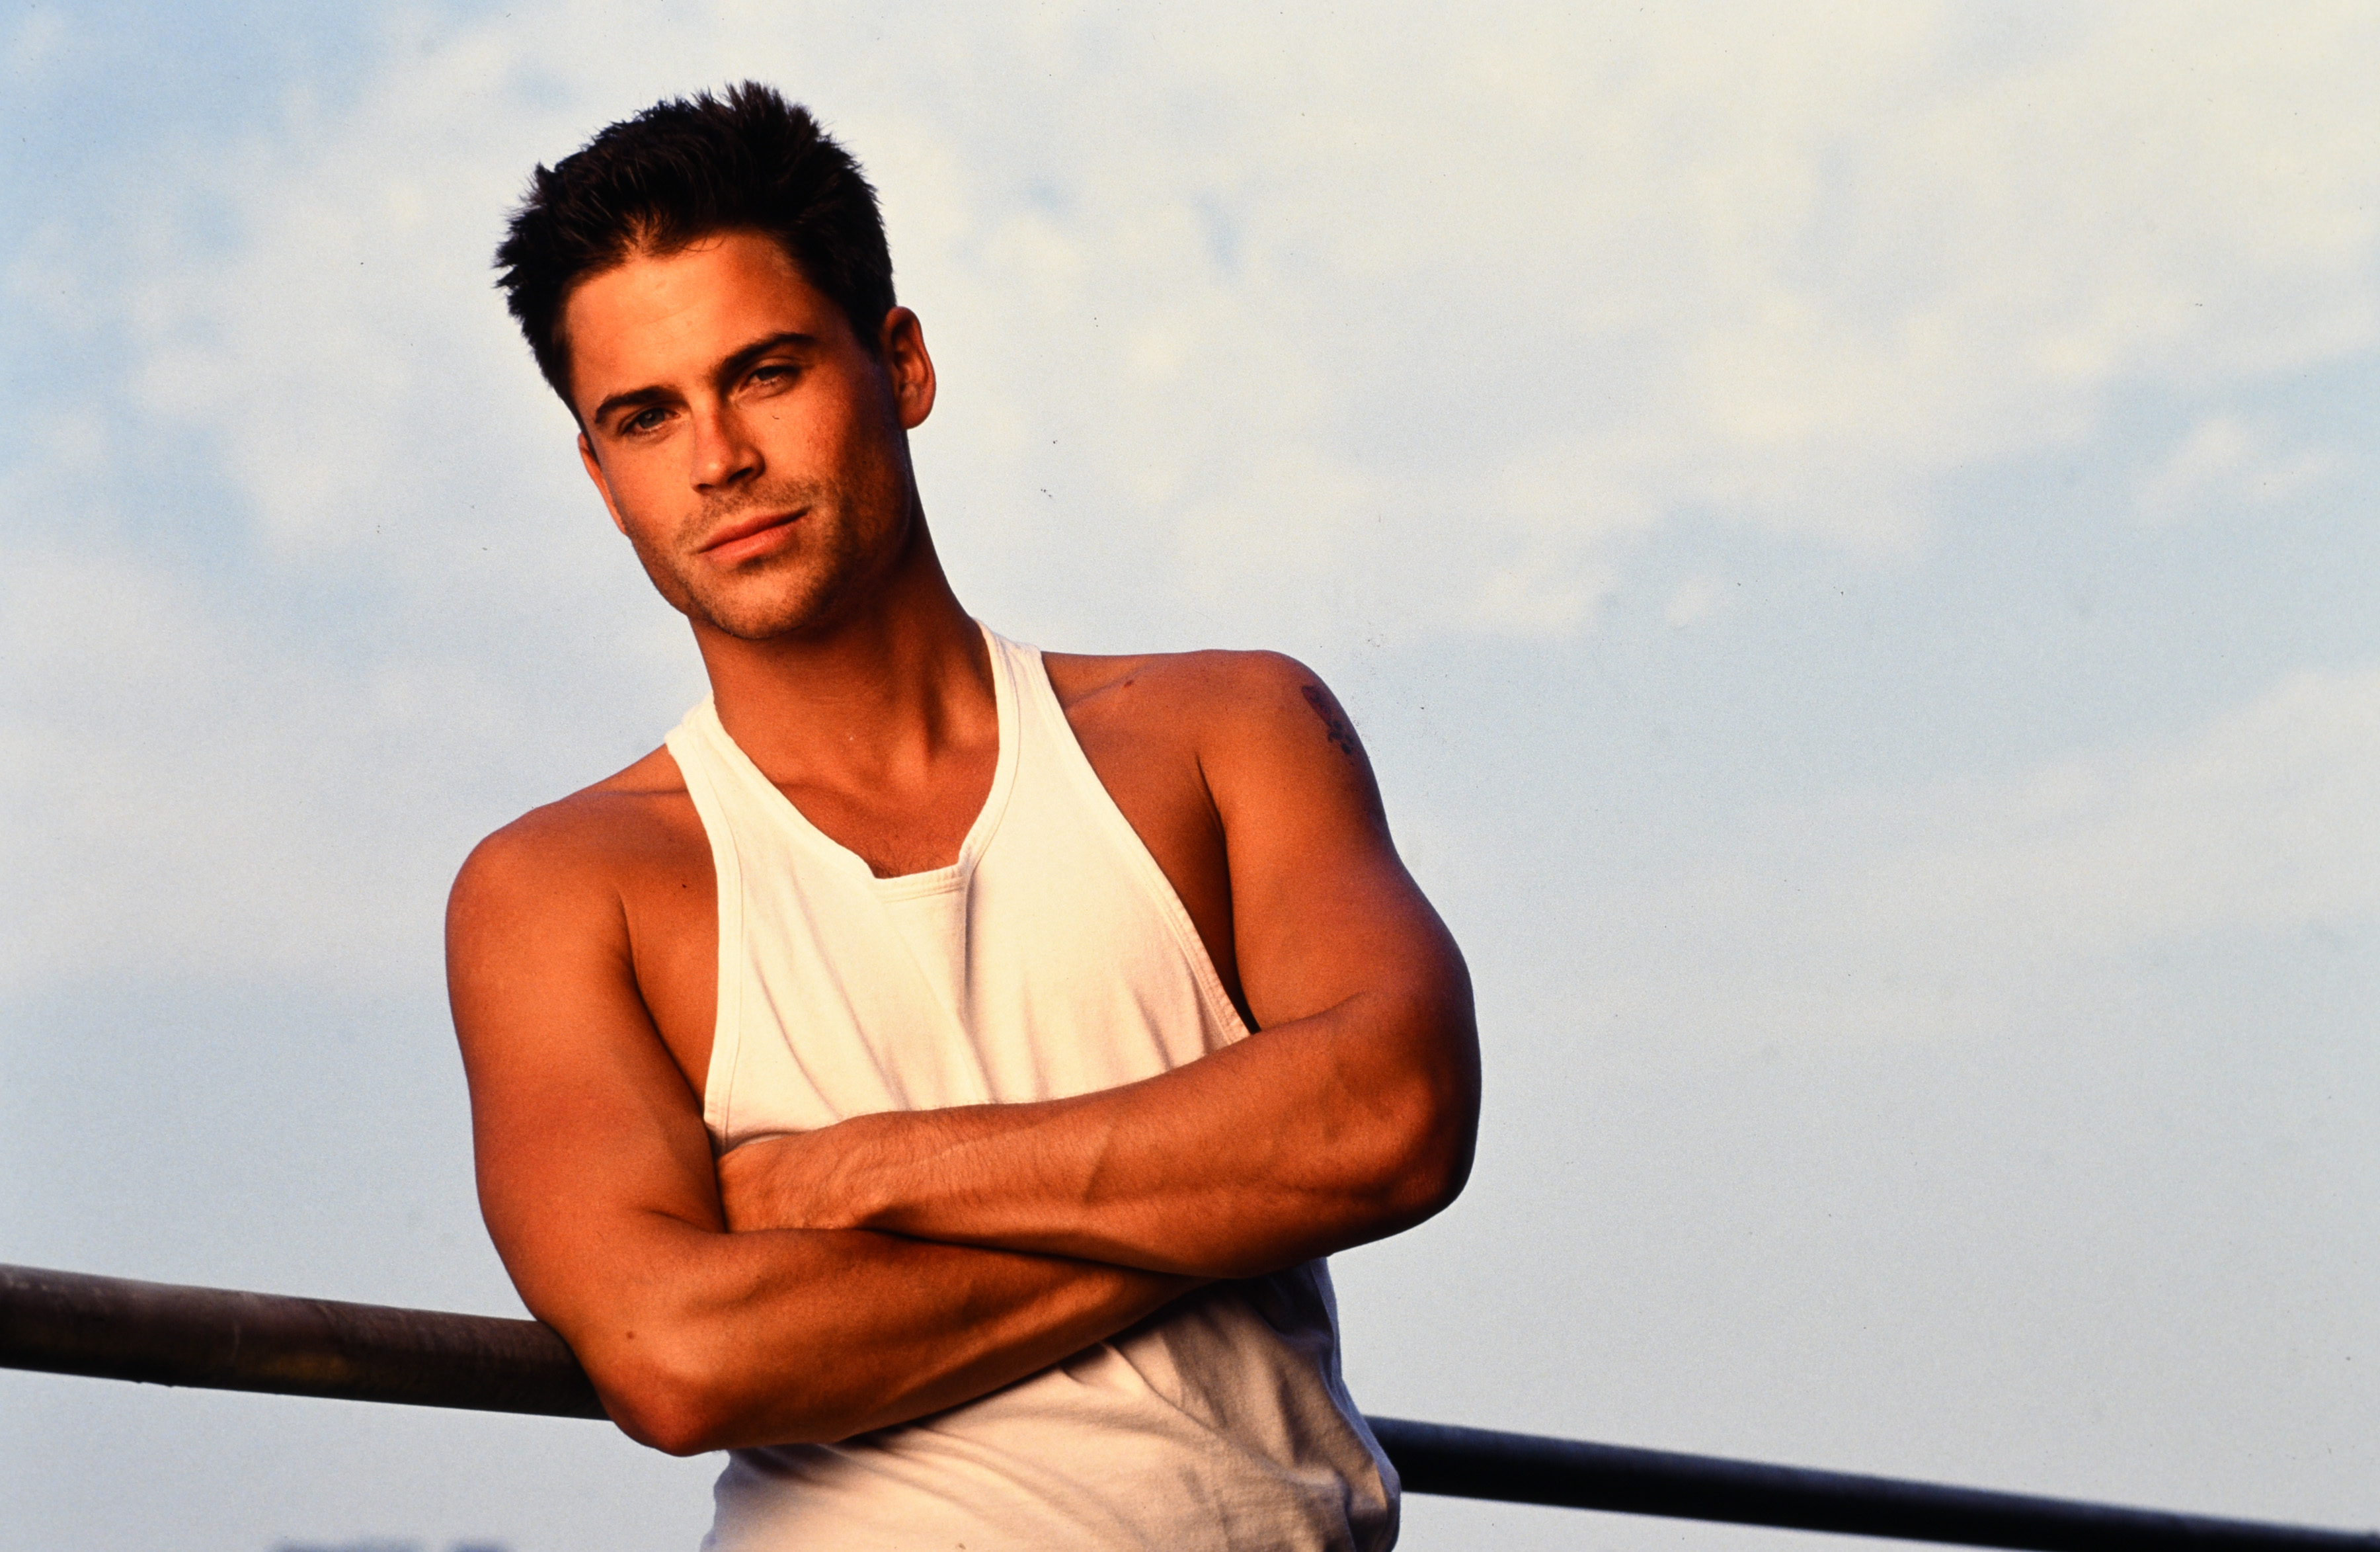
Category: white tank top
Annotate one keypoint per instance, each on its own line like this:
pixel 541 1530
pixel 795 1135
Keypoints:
pixel 1052 959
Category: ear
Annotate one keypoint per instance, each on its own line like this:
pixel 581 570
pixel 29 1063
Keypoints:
pixel 602 487
pixel 903 345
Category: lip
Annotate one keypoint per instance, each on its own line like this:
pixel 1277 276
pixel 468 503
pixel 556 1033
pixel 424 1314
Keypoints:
pixel 751 537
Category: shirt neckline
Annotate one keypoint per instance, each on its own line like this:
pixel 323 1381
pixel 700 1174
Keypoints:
pixel 907 884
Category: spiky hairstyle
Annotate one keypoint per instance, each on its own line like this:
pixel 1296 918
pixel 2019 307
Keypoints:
pixel 679 171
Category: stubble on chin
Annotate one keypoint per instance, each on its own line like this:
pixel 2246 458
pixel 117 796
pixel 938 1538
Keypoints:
pixel 802 589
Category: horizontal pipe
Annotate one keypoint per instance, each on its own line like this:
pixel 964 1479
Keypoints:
pixel 71 1323
pixel 1531 1469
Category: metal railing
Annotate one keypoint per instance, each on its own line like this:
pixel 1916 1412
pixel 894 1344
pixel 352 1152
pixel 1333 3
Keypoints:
pixel 70 1323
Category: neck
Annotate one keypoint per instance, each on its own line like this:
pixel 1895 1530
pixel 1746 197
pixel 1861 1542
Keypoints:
pixel 896 684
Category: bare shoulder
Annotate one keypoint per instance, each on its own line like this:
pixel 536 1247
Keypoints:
pixel 1210 693
pixel 582 850
pixel 1259 727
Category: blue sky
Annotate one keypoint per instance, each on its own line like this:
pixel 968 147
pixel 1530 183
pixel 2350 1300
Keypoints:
pixel 1849 533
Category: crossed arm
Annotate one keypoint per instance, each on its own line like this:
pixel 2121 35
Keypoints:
pixel 816 1286
pixel 1328 1129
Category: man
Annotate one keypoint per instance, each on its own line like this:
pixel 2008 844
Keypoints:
pixel 864 1081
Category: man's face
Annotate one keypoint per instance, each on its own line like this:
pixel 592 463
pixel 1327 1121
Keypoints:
pixel 749 446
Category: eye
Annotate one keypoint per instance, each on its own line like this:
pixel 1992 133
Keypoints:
pixel 771 375
pixel 643 421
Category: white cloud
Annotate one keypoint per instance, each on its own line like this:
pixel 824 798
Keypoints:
pixel 1442 313
pixel 2262 822
pixel 2226 462
pixel 1957 912
pixel 189 800
pixel 347 356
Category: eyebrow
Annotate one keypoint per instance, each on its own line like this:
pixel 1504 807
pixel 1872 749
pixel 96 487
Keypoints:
pixel 733 366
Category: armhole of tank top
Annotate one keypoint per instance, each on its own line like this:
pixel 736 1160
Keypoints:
pixel 1152 877
pixel 727 1022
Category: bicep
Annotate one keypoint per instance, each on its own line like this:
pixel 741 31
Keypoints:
pixel 588 1144
pixel 1342 958
pixel 1323 908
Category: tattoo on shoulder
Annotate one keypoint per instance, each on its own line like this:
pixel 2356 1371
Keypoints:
pixel 1334 726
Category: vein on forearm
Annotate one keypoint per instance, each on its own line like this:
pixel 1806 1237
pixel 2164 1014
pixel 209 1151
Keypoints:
pixel 1251 1158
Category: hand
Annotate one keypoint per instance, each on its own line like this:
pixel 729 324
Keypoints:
pixel 798 1179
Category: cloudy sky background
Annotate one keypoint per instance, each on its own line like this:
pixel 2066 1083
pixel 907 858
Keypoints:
pixel 1849 533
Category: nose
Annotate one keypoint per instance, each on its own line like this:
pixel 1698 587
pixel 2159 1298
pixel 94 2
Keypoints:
pixel 725 454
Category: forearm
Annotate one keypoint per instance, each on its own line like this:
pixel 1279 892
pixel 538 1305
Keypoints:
pixel 796 1336
pixel 1315 1135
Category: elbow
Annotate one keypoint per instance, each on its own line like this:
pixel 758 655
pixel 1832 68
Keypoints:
pixel 685 1397
pixel 1430 1131
pixel 1438 1178
pixel 662 1404
pixel 1431 1167
pixel 675 1390
pixel 1425 1115
pixel 666 1425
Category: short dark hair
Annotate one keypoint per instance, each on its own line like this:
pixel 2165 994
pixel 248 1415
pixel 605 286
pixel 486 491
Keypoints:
pixel 682 171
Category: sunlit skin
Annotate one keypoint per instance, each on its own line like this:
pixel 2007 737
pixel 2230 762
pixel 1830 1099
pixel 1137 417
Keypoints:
pixel 765 489
pixel 756 454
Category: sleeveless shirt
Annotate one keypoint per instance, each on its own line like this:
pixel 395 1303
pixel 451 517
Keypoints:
pixel 1052 959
